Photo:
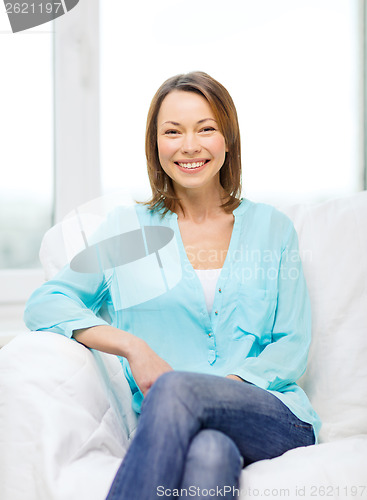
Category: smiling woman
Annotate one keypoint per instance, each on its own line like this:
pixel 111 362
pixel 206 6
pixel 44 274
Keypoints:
pixel 212 358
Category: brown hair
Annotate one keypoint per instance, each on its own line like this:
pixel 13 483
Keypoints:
pixel 163 195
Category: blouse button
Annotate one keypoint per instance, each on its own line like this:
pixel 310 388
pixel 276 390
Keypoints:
pixel 220 290
pixel 216 313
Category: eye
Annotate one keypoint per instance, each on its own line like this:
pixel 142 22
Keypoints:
pixel 171 132
pixel 208 129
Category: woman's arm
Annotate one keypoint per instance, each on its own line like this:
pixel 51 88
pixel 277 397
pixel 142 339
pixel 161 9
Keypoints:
pixel 284 360
pixel 68 304
pixel 146 366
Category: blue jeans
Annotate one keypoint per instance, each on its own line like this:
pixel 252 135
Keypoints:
pixel 197 431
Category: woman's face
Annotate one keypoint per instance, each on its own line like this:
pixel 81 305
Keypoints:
pixel 191 148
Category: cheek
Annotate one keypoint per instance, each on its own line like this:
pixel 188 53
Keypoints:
pixel 165 150
pixel 218 147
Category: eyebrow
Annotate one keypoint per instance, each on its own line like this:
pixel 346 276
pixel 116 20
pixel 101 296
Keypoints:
pixel 198 123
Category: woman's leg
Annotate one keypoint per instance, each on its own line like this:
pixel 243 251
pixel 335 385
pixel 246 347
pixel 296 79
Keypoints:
pixel 213 465
pixel 178 406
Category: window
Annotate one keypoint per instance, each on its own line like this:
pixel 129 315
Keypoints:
pixel 293 68
pixel 66 130
pixel 27 165
pixel 26 153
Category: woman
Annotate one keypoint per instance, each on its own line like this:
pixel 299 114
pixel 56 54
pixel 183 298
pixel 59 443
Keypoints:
pixel 213 360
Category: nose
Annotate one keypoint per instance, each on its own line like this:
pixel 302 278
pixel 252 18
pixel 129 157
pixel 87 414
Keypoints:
pixel 190 144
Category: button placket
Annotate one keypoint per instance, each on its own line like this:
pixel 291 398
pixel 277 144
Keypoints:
pixel 213 318
pixel 212 352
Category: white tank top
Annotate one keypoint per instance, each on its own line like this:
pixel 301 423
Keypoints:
pixel 208 279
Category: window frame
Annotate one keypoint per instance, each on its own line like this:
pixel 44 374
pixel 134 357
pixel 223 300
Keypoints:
pixel 363 35
pixel 76 141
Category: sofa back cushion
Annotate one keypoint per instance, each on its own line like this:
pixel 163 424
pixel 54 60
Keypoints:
pixel 333 247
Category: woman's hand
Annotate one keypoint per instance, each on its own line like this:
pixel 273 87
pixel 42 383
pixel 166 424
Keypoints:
pixel 146 366
pixel 235 377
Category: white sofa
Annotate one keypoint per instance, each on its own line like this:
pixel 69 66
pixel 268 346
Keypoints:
pixel 65 413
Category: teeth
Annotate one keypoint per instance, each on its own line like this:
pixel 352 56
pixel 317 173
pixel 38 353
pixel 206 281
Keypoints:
pixel 192 165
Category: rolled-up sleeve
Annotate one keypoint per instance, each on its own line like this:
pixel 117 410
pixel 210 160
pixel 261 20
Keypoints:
pixel 70 301
pixel 284 360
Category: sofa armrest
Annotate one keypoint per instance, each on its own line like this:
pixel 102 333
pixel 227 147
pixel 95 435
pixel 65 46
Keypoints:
pixel 65 412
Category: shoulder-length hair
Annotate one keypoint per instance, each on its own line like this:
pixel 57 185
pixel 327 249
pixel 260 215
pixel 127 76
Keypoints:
pixel 163 194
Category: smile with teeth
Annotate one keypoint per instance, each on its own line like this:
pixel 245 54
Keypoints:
pixel 192 165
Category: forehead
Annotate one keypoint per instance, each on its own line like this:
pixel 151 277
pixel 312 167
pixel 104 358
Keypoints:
pixel 181 106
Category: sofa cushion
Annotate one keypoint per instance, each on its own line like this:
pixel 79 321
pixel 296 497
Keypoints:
pixel 333 247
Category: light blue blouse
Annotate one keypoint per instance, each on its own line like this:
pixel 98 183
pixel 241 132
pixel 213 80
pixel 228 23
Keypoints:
pixel 260 324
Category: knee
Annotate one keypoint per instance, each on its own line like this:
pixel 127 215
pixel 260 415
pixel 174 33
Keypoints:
pixel 214 449
pixel 170 385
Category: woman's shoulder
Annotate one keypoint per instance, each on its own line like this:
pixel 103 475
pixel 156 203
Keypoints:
pixel 264 211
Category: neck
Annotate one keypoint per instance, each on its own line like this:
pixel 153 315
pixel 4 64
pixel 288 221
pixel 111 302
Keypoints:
pixel 200 205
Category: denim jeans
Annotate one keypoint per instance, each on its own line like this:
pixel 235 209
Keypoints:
pixel 196 432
